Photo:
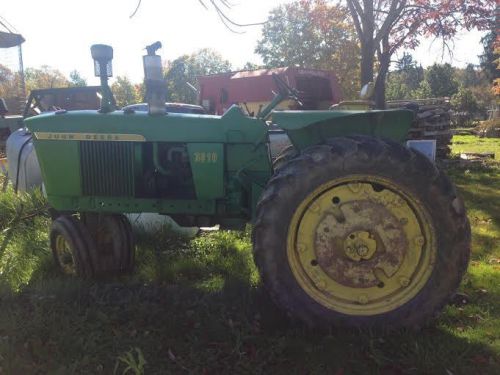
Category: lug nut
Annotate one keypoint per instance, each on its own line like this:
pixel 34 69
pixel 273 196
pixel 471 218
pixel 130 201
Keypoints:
pixel 404 281
pixel 320 284
pixel 363 251
pixel 363 299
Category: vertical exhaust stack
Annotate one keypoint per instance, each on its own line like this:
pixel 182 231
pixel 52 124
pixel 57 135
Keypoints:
pixel 103 55
pixel 156 88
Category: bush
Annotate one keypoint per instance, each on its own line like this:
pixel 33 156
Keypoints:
pixel 24 227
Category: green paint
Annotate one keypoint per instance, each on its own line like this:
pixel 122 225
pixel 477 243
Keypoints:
pixel 207 164
pixel 226 157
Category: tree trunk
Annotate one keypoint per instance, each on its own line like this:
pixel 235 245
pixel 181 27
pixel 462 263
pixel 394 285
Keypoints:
pixel 384 54
pixel 368 47
pixel 367 58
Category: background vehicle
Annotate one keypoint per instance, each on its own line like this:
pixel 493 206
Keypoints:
pixel 253 90
pixel 350 227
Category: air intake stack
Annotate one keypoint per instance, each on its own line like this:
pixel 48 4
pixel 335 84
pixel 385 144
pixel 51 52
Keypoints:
pixel 103 55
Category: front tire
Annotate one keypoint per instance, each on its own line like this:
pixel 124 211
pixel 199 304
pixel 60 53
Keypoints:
pixel 361 232
pixel 71 246
pixel 114 243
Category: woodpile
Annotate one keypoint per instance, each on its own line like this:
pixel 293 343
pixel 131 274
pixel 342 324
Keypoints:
pixel 433 121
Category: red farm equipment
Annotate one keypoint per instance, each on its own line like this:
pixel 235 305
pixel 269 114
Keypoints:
pixel 253 90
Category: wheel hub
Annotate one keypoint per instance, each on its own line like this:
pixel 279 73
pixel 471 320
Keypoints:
pixel 360 247
pixel 65 255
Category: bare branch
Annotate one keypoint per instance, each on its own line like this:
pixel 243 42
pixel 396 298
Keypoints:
pixel 223 15
pixel 355 17
pixel 393 14
pixel 136 9
pixel 202 3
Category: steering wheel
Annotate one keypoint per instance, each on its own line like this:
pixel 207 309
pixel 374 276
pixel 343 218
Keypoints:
pixel 285 90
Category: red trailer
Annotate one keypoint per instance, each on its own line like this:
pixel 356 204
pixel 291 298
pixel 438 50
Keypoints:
pixel 318 89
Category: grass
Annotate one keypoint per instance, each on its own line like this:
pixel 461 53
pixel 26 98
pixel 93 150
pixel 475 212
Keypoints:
pixel 471 143
pixel 197 307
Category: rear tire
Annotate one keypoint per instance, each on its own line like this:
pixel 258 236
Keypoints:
pixel 319 280
pixel 285 155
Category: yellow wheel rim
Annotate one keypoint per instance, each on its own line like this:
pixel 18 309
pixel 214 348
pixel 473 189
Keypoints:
pixel 361 245
pixel 65 255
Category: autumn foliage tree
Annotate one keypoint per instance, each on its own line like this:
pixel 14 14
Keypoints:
pixel 312 34
pixel 44 77
pixel 384 26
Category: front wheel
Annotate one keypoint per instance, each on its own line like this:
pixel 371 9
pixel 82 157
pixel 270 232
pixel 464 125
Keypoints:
pixel 361 232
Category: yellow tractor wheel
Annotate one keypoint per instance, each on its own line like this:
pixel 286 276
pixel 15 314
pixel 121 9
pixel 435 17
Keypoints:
pixel 361 232
pixel 71 246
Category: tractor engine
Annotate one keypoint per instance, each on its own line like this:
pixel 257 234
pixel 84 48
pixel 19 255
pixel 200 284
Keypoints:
pixel 167 172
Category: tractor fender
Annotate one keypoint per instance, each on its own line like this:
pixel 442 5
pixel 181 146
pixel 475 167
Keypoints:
pixel 307 128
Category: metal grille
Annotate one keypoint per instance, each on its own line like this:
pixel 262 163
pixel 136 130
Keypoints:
pixel 107 168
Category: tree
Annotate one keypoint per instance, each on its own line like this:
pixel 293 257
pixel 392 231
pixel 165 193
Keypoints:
pixel 76 80
pixel 385 26
pixel 10 89
pixel 465 103
pixel 124 92
pixel 402 83
pixel 44 77
pixel 489 56
pixel 312 34
pixel 186 69
pixel 470 77
pixel 441 80
pixel 251 66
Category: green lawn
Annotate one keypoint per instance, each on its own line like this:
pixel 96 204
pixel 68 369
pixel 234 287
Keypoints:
pixel 471 143
pixel 197 307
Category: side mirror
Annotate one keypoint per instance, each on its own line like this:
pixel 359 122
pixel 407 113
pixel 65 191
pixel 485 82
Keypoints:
pixel 367 91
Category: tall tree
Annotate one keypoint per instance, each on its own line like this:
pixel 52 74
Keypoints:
pixel 405 79
pixel 185 70
pixel 441 80
pixel 489 56
pixel 384 26
pixel 312 34
pixel 124 92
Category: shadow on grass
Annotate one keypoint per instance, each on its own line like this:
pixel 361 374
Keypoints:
pixel 215 319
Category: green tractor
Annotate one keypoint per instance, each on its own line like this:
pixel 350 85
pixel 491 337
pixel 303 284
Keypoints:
pixel 350 227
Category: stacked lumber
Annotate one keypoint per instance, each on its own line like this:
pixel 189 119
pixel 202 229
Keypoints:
pixel 432 121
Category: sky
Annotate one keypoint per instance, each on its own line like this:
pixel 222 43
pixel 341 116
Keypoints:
pixel 59 33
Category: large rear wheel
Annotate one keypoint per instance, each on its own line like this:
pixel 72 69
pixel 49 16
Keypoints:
pixel 361 232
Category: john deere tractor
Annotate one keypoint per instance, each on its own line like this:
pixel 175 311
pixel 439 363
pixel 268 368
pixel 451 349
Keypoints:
pixel 350 227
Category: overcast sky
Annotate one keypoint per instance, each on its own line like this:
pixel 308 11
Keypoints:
pixel 59 33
